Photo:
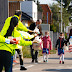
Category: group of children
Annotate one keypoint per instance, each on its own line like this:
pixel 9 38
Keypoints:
pixel 47 42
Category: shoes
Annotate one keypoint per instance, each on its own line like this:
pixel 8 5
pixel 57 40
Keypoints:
pixel 47 61
pixel 32 61
pixel 15 61
pixel 23 68
pixel 62 62
pixel 44 61
pixel 36 61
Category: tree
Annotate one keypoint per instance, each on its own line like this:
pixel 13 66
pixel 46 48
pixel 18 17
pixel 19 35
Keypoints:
pixel 39 7
pixel 55 10
pixel 66 2
pixel 57 17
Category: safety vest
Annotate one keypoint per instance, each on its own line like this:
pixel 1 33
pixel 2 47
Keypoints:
pixel 15 33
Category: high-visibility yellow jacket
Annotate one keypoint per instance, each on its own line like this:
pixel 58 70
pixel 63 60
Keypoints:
pixel 15 33
pixel 26 35
pixel 2 39
pixel 21 27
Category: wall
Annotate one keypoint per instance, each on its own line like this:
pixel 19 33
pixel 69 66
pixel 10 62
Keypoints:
pixel 30 8
pixel 3 12
pixel 12 7
pixel 40 15
pixel 46 9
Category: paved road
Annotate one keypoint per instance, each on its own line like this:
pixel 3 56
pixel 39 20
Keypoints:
pixel 52 65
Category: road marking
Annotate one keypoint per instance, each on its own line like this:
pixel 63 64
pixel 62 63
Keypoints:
pixel 26 67
pixel 30 66
pixel 40 61
pixel 16 68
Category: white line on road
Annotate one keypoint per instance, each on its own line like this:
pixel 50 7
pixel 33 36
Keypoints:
pixel 26 67
pixel 30 66
pixel 16 69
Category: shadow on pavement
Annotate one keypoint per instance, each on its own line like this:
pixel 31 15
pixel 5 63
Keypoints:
pixel 68 58
pixel 53 58
pixel 65 58
pixel 58 70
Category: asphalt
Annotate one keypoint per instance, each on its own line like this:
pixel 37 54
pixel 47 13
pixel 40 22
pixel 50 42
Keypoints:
pixel 52 65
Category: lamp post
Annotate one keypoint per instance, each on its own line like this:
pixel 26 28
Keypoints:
pixel 61 15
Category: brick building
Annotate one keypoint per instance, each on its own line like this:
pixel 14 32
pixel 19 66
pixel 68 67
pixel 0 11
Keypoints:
pixel 46 9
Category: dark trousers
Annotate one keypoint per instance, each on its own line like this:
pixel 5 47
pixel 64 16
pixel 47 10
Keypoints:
pixel 20 56
pixel 10 70
pixel 5 60
pixel 34 55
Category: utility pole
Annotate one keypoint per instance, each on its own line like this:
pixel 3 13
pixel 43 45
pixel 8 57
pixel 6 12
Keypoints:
pixel 61 15
pixel 47 17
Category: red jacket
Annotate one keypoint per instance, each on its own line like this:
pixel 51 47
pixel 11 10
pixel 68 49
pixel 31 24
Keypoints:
pixel 47 42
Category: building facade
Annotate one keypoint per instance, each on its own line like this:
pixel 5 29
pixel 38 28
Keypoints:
pixel 47 14
pixel 3 12
pixel 30 7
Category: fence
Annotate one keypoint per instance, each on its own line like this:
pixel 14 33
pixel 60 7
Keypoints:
pixel 55 37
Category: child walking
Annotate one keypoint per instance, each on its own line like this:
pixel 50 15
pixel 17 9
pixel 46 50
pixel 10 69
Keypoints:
pixel 60 42
pixel 46 43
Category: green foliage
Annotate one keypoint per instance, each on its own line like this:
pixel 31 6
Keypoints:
pixel 40 53
pixel 39 7
pixel 57 17
pixel 65 36
pixel 26 52
pixel 53 51
pixel 66 2
pixel 65 17
pixel 53 28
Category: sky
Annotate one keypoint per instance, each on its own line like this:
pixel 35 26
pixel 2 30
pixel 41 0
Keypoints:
pixel 47 1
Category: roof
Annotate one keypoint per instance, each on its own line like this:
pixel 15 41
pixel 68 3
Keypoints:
pixel 26 16
pixel 46 7
pixel 15 0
